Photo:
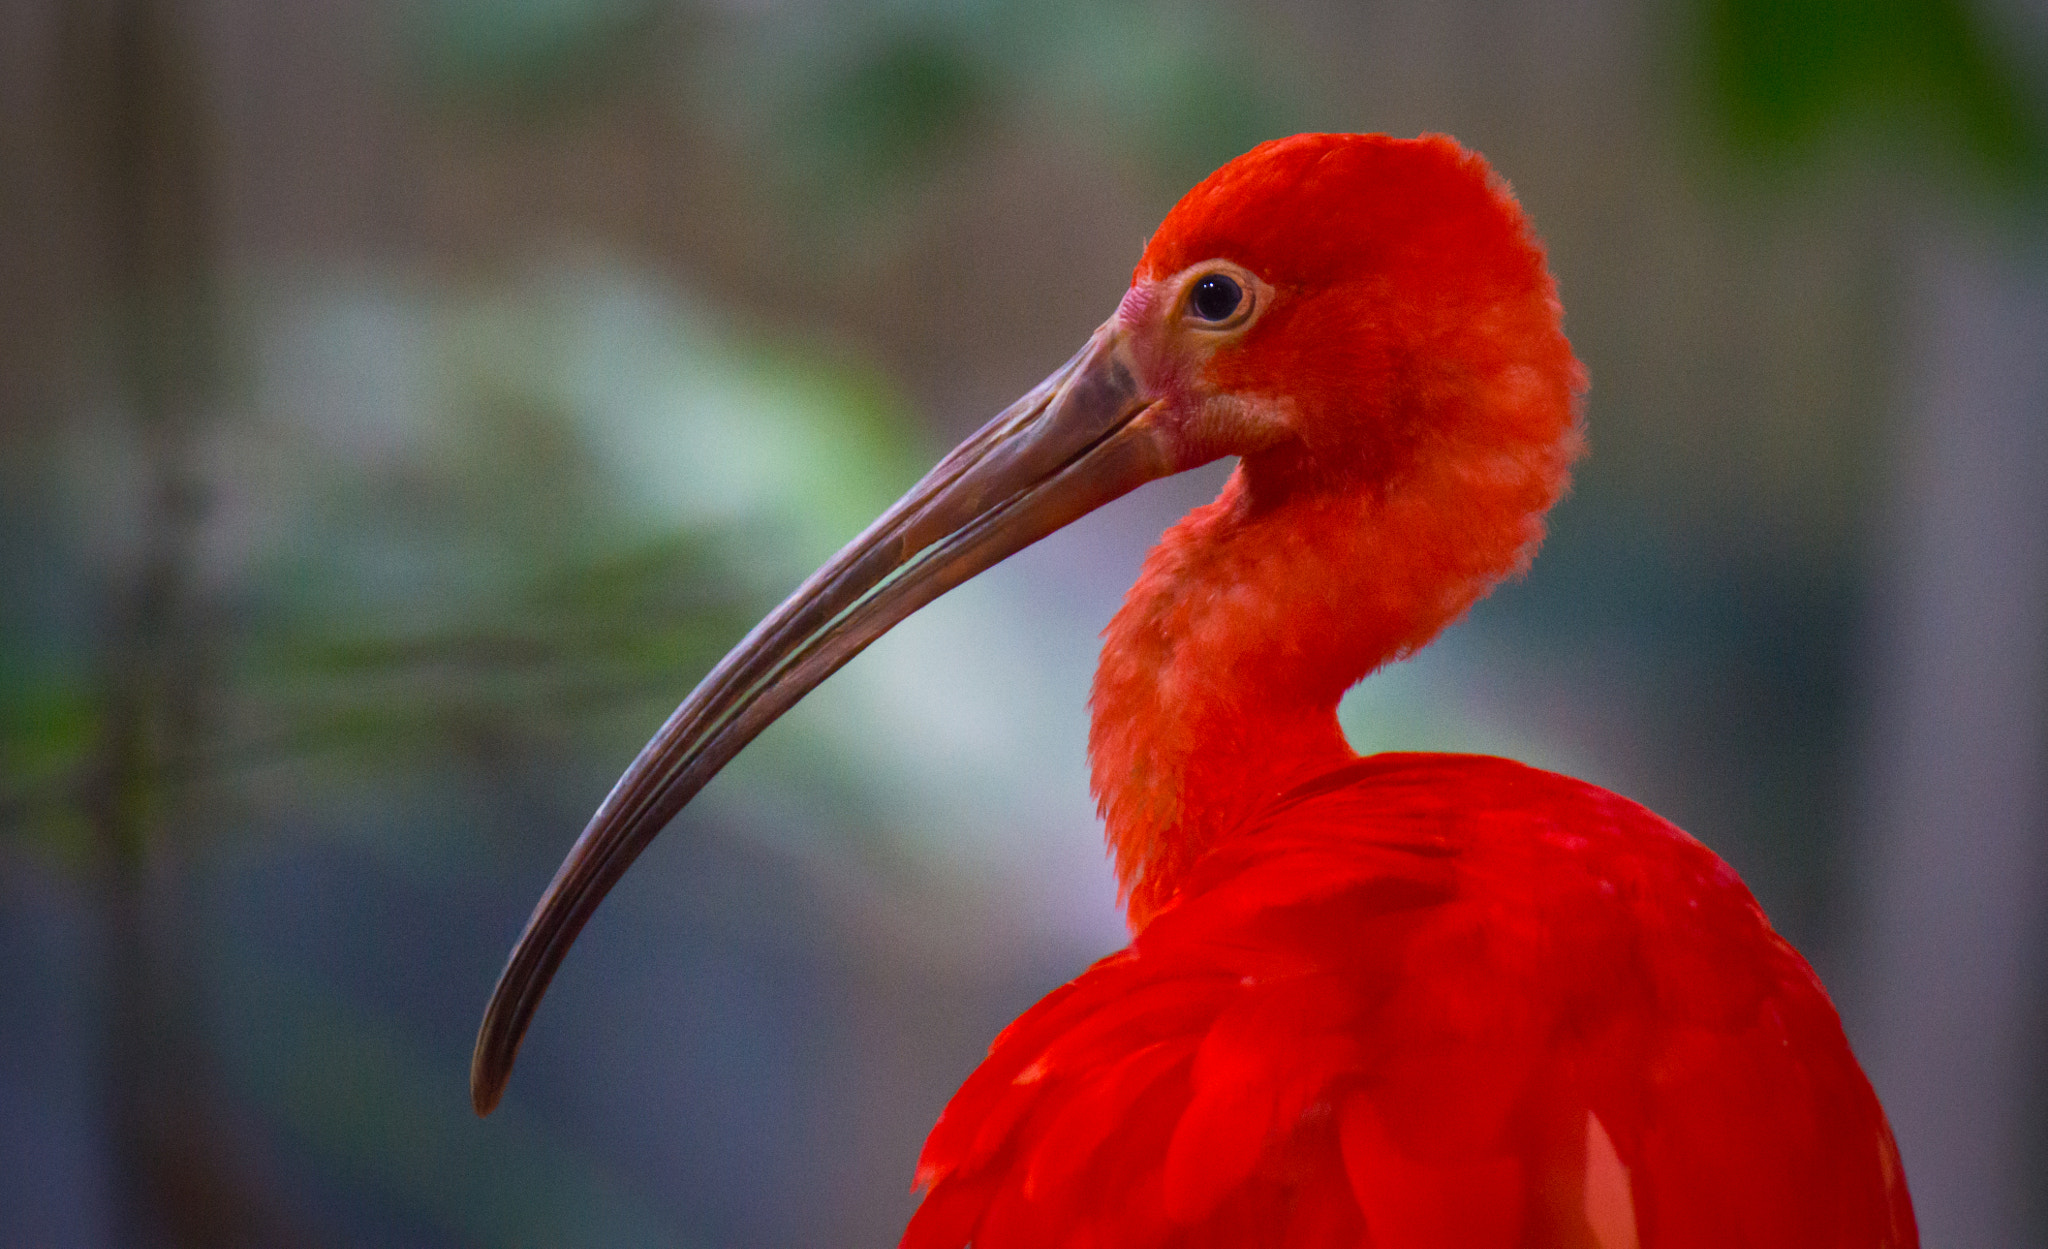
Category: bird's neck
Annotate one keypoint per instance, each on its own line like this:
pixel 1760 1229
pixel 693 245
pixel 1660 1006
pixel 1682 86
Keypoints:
pixel 1221 674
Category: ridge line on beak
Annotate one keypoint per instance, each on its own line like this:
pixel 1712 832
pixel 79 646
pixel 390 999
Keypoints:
pixel 1074 442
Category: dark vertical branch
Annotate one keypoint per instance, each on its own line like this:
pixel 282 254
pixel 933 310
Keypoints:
pixel 144 157
pixel 145 180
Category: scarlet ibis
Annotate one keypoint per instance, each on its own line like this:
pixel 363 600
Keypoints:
pixel 1398 1001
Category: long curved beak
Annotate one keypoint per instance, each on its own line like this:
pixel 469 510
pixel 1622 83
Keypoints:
pixel 1079 439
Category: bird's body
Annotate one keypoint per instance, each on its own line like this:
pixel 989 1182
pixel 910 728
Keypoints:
pixel 1406 1002
pixel 1429 1001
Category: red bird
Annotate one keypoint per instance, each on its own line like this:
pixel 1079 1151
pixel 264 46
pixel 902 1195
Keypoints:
pixel 1399 1001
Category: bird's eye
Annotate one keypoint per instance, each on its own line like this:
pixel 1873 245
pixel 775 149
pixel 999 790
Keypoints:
pixel 1215 297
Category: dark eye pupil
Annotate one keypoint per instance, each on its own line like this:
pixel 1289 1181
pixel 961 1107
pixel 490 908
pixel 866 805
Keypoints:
pixel 1216 297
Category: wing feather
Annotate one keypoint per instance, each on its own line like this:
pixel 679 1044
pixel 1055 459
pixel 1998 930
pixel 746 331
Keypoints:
pixel 1387 1014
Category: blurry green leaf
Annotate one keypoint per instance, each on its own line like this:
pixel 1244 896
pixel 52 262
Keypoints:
pixel 48 723
pixel 1785 73
pixel 580 495
pixel 1184 85
pixel 864 98
pixel 898 108
pixel 530 53
pixel 580 637
pixel 1208 113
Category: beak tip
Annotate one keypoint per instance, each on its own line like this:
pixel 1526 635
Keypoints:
pixel 486 1085
pixel 490 1066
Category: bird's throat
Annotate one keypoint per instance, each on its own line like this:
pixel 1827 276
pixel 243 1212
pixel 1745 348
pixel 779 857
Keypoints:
pixel 1214 694
pixel 1221 673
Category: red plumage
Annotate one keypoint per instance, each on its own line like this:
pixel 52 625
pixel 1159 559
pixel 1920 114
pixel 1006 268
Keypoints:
pixel 1411 1002
pixel 1383 1015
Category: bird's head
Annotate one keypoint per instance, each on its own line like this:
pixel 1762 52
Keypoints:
pixel 1334 304
pixel 1338 310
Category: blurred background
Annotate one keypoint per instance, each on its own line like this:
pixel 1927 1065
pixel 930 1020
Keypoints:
pixel 402 404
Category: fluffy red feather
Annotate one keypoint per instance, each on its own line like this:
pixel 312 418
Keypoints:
pixel 1384 1015
pixel 1413 1000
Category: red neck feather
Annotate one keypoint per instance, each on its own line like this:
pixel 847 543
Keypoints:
pixel 1432 393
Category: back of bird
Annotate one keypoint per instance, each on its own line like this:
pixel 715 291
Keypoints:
pixel 1430 1001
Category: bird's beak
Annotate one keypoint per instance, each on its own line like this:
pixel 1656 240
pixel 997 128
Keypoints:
pixel 1081 438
